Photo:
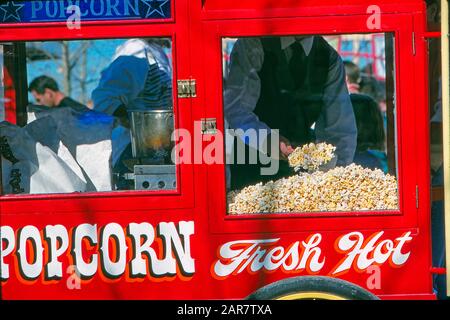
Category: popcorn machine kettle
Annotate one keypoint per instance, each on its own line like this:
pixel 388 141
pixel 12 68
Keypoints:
pixel 151 144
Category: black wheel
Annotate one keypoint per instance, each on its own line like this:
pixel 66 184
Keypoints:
pixel 312 288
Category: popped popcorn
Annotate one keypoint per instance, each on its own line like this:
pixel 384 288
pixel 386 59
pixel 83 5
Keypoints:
pixel 311 156
pixel 351 188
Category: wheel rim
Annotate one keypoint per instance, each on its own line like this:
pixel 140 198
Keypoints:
pixel 311 295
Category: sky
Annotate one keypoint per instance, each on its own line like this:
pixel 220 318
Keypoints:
pixel 99 57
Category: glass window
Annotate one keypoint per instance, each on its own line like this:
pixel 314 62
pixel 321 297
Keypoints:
pixel 347 46
pixel 366 46
pixel 99 118
pixel 305 131
pixel 435 105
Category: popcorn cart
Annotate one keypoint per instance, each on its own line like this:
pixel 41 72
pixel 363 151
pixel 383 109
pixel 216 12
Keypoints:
pixel 81 220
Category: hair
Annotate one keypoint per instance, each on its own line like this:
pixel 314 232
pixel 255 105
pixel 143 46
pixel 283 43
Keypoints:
pixel 369 123
pixel 352 71
pixel 41 83
pixel 373 88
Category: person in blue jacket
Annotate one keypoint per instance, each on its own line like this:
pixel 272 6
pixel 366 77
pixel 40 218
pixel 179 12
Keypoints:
pixel 139 78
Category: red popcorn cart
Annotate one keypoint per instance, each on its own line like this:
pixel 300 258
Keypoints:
pixel 174 149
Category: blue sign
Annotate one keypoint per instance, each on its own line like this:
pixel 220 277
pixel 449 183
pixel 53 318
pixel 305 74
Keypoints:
pixel 87 10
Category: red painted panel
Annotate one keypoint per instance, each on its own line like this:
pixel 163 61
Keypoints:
pixel 201 199
pixel 217 9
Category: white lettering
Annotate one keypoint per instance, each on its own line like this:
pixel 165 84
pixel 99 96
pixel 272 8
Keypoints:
pixel 346 243
pixel 137 232
pixel 169 233
pixel 312 254
pixel 30 271
pixel 6 235
pixel 112 268
pixel 230 258
pixel 88 231
pixel 373 252
pixel 53 269
pixel 110 255
pixel 398 258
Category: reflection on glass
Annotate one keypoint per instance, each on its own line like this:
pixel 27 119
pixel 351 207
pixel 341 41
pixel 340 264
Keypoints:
pixel 100 119
pixel 287 101
pixel 435 105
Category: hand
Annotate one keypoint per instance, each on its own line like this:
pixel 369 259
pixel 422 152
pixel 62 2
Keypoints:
pixel 282 152
pixel 285 148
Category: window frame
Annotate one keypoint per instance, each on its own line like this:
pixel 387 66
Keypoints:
pixel 401 26
pixel 138 200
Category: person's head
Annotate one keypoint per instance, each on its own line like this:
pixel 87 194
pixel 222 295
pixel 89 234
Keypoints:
pixel 369 123
pixel 45 91
pixel 374 88
pixel 352 72
pixel 433 14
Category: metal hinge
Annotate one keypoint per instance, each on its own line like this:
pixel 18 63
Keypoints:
pixel 209 126
pixel 413 43
pixel 417 197
pixel 187 88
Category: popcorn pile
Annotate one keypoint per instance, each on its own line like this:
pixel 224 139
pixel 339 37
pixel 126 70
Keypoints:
pixel 351 188
pixel 311 156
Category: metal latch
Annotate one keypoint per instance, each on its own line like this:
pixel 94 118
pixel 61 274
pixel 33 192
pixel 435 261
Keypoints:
pixel 187 88
pixel 209 126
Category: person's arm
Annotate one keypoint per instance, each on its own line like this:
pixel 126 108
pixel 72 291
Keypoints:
pixel 120 84
pixel 242 87
pixel 336 124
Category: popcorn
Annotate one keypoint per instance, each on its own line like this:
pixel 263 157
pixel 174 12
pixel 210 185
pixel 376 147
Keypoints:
pixel 311 156
pixel 351 188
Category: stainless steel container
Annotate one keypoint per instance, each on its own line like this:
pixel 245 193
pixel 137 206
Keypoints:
pixel 150 133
